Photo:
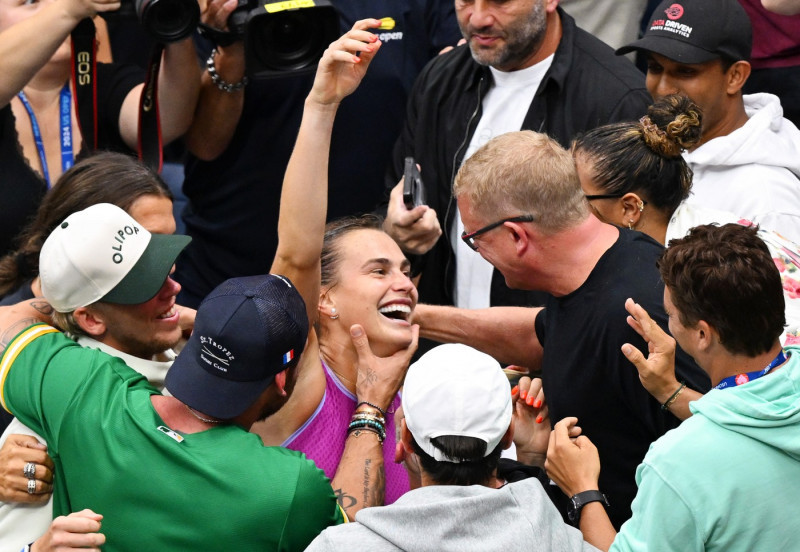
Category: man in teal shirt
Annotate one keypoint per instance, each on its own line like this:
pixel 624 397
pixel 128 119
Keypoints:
pixel 728 478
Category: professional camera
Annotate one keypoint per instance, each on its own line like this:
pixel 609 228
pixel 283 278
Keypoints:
pixel 281 37
pixel 164 20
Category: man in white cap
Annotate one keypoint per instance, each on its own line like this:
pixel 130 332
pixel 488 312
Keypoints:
pixel 106 279
pixel 458 418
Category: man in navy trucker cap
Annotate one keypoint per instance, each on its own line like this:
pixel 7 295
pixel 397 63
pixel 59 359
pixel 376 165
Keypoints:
pixel 181 470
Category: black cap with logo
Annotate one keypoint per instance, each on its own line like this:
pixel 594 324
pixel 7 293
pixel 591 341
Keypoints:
pixel 697 31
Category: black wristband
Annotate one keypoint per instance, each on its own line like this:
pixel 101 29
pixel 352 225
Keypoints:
pixel 578 501
pixel 218 37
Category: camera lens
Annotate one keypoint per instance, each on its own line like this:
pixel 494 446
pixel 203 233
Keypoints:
pixel 287 41
pixel 168 20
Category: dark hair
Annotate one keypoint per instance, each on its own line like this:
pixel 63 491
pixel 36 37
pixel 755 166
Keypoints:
pixel 725 276
pixel 102 178
pixel 474 469
pixel 334 231
pixel 645 156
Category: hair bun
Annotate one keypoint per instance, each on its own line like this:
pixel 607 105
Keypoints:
pixel 672 125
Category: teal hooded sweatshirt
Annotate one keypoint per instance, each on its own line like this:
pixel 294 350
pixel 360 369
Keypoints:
pixel 728 478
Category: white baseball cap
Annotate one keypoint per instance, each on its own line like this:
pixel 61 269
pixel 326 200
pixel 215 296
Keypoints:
pixel 102 253
pixel 455 390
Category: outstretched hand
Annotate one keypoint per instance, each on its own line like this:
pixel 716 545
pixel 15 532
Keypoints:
pixel 379 378
pixel 345 63
pixel 657 371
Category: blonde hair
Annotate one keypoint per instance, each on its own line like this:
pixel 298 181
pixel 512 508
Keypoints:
pixel 67 323
pixel 523 173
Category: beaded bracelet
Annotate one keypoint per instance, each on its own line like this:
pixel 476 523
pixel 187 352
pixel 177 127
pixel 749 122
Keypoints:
pixel 372 423
pixel 674 397
pixel 218 81
pixel 375 406
pixel 369 425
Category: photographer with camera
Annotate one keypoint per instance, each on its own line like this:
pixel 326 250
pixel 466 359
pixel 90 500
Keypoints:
pixel 40 133
pixel 243 131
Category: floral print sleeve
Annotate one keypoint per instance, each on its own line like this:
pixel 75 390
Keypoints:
pixel 786 255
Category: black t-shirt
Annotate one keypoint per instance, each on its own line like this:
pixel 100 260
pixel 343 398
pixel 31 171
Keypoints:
pixel 232 213
pixel 586 375
pixel 22 187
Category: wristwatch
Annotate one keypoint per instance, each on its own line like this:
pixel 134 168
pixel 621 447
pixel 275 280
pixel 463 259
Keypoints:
pixel 578 501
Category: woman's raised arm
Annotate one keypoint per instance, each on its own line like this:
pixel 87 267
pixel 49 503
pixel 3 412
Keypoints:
pixel 304 198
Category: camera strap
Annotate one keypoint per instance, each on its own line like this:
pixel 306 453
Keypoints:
pixel 84 78
pixel 218 37
pixel 149 146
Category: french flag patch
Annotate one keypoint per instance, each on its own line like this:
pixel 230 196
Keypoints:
pixel 287 358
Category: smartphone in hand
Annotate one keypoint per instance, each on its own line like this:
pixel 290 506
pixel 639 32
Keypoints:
pixel 413 188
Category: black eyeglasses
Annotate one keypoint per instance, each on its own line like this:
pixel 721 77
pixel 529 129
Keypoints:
pixel 469 239
pixel 602 196
pixel 606 196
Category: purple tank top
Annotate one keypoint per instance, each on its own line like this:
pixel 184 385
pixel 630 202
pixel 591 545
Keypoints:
pixel 322 436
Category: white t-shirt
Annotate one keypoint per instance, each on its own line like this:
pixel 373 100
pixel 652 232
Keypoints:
pixel 504 110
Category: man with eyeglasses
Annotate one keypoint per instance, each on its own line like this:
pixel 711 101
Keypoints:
pixel 524 211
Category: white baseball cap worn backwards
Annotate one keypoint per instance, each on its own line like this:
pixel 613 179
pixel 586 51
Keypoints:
pixel 455 390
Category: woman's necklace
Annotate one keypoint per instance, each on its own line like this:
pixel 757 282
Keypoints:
pixel 340 376
pixel 344 379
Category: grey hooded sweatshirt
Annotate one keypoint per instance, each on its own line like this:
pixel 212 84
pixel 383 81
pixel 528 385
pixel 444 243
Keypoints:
pixel 518 516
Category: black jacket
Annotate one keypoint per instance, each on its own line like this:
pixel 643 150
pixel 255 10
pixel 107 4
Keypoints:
pixel 585 87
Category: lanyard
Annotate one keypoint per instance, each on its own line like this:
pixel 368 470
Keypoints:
pixel 740 379
pixel 65 122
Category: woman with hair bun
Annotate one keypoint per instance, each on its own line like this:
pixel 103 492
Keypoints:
pixel 633 174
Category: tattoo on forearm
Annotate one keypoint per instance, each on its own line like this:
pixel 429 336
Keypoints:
pixel 345 500
pixel 377 493
pixel 367 464
pixel 374 484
